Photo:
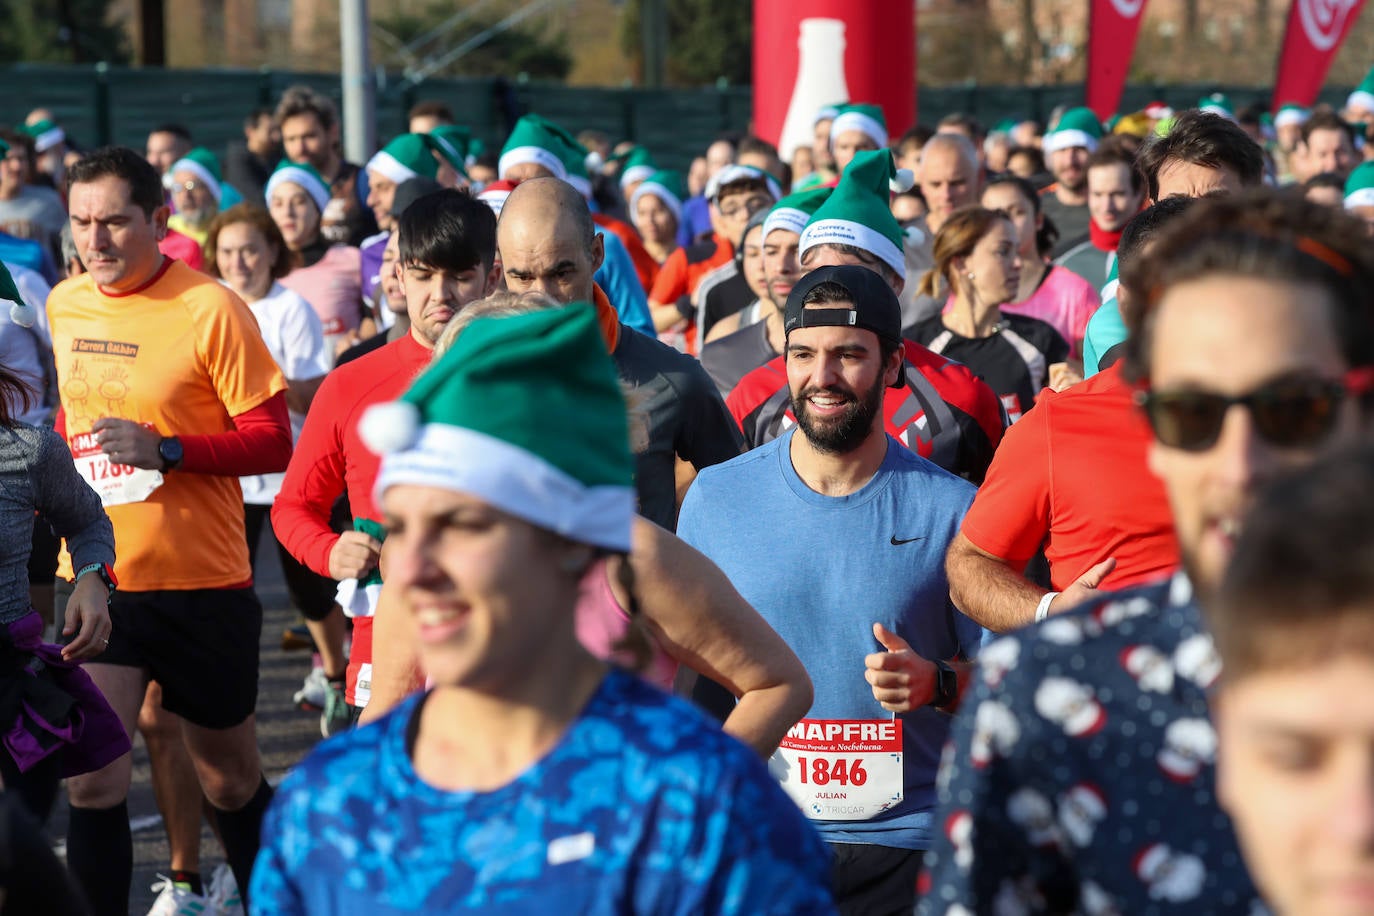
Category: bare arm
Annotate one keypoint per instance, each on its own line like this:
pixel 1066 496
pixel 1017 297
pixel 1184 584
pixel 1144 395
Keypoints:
pixel 699 619
pixel 300 392
pixel 998 597
pixel 691 610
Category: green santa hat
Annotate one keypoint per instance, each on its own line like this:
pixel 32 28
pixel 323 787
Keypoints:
pixel 1076 127
pixel 21 313
pixel 526 413
pixel 866 119
pixel 1363 96
pixel 857 212
pixel 538 140
pixel 205 166
pixel 303 176
pixel 667 186
pixel 45 135
pixel 1217 103
pixel 638 165
pixel 794 211
pixel 454 145
pixel 1293 115
pixel 408 156
pixel 1359 187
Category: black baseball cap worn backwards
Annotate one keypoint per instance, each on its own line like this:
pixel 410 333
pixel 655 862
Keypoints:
pixel 874 305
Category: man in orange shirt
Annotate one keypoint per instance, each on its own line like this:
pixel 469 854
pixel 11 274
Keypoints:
pixel 736 193
pixel 168 396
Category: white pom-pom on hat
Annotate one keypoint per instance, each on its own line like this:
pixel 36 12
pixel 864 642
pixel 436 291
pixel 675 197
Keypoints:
pixel 903 181
pixel 390 427
pixel 22 315
pixel 593 162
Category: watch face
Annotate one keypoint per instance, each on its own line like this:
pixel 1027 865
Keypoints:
pixel 170 450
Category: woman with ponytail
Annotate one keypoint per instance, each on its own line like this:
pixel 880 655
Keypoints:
pixel 1053 293
pixel 978 266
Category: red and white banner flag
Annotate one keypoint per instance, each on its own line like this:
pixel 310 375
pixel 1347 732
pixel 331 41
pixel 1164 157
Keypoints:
pixel 813 53
pixel 1112 29
pixel 1316 29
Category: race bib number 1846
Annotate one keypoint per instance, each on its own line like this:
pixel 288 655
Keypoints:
pixel 842 769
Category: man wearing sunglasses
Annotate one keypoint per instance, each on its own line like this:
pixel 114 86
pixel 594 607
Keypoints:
pixel 1082 775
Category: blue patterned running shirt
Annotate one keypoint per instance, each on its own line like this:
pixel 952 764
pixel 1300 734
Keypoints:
pixel 642 807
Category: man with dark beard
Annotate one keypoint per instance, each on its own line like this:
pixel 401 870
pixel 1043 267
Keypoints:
pixel 796 524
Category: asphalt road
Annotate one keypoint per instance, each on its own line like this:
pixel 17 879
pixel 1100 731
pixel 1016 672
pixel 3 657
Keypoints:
pixel 285 735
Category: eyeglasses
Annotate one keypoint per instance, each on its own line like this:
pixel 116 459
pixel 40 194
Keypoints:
pixel 188 186
pixel 1289 413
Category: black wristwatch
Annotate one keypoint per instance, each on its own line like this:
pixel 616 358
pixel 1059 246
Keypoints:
pixel 946 686
pixel 169 450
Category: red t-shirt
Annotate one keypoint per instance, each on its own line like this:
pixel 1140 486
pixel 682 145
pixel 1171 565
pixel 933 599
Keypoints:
pixel 330 457
pixel 685 267
pixel 1072 474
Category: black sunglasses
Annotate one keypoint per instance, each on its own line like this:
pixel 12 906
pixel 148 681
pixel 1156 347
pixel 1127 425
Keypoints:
pixel 1289 413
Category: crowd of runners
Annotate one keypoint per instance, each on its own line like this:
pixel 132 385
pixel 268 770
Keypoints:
pixel 967 521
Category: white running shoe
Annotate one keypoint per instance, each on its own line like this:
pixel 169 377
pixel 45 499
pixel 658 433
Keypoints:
pixel 314 692
pixel 223 892
pixel 177 901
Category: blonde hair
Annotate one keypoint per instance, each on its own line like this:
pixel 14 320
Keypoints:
pixel 957 238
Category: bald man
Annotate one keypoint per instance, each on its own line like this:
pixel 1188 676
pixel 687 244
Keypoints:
pixel 950 178
pixel 548 244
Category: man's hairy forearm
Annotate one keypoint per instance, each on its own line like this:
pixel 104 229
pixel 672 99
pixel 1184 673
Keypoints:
pixel 989 591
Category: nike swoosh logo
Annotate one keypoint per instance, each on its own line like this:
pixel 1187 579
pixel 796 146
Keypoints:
pixel 897 542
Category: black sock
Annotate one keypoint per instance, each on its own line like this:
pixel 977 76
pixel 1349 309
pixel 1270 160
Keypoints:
pixel 241 833
pixel 100 855
pixel 191 879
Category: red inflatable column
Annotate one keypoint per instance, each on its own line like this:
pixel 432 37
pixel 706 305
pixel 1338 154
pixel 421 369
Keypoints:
pixel 812 53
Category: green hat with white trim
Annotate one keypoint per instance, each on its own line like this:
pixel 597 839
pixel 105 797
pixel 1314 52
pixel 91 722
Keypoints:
pixel 577 160
pixel 45 135
pixel 794 211
pixel 1359 187
pixel 1292 116
pixel 204 165
pixel 406 157
pixel 21 313
pixel 1218 103
pixel 667 186
pixel 866 119
pixel 535 140
pixel 304 176
pixel 526 413
pixel 1076 127
pixel 857 212
pixel 638 165
pixel 454 145
pixel 1363 96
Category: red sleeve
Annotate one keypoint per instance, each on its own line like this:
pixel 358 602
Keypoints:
pixel 314 481
pixel 1010 516
pixel 671 283
pixel 259 444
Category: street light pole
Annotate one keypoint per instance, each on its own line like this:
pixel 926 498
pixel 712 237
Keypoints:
pixel 359 93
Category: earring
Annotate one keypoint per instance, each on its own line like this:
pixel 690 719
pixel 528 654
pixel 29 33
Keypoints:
pixel 970 275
